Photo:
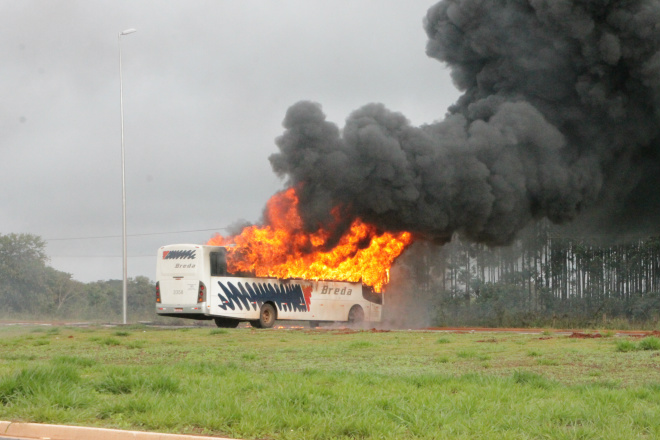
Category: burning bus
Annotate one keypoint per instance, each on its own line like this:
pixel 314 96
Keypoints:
pixel 193 282
pixel 278 271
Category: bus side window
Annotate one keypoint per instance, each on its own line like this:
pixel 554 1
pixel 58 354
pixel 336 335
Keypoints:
pixel 218 264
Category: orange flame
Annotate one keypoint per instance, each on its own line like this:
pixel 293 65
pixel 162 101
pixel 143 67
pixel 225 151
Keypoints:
pixel 282 249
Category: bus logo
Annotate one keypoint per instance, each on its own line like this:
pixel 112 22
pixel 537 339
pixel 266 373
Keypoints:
pixel 179 255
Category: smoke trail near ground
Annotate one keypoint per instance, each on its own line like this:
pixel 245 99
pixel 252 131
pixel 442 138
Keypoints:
pixel 559 118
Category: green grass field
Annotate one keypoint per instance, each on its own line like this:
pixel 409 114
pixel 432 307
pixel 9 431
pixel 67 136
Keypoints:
pixel 333 384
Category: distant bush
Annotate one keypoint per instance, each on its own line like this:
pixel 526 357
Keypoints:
pixel 625 346
pixel 649 343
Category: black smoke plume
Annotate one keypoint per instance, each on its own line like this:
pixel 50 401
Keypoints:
pixel 559 118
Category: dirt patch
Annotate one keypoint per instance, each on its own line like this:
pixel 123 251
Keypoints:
pixel 464 330
pixel 476 329
pixel 555 332
pixel 343 331
pixel 580 335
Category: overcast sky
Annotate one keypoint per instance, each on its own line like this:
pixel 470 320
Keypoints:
pixel 206 87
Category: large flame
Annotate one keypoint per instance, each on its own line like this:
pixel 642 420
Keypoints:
pixel 282 249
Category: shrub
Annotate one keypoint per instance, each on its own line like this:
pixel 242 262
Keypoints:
pixel 649 343
pixel 625 346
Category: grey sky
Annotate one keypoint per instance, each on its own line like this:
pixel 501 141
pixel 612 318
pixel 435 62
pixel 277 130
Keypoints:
pixel 206 87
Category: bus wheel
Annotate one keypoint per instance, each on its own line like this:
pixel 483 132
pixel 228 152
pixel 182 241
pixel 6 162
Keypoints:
pixel 356 315
pixel 266 317
pixel 226 322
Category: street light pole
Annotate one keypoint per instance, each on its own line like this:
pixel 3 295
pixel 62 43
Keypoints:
pixel 123 175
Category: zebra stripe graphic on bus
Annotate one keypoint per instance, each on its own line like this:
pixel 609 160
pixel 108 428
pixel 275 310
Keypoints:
pixel 287 297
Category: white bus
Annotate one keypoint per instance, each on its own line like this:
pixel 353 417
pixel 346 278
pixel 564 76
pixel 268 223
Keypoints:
pixel 192 282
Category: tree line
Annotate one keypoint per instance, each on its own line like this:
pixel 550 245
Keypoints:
pixel 31 289
pixel 544 278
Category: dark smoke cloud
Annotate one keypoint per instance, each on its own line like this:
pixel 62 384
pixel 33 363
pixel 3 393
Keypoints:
pixel 559 118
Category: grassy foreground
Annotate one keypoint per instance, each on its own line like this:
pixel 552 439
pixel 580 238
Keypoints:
pixel 332 384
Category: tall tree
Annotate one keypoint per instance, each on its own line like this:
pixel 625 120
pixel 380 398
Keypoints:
pixel 22 272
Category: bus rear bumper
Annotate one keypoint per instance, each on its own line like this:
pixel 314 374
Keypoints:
pixel 176 310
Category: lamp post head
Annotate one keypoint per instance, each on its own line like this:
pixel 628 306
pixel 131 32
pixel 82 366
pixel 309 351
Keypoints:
pixel 127 31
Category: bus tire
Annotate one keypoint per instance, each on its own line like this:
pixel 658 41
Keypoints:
pixel 356 315
pixel 267 317
pixel 226 322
